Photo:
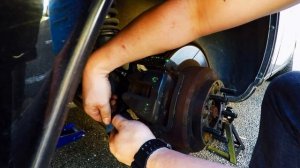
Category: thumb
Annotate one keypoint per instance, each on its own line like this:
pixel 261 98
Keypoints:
pixel 118 121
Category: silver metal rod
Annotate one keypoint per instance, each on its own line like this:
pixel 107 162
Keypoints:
pixel 67 89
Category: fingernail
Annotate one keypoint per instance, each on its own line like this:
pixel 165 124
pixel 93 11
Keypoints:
pixel 106 121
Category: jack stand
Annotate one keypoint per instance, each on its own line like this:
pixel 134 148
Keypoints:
pixel 234 144
pixel 69 134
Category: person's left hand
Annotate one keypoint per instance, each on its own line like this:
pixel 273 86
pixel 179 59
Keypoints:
pixel 96 88
pixel 128 137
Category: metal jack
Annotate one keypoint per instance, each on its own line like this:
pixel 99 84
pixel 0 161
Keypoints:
pixel 231 139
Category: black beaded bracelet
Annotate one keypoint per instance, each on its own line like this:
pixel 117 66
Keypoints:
pixel 141 157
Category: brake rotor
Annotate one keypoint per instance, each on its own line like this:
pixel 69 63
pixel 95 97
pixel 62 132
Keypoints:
pixel 188 56
pixel 194 110
pixel 187 109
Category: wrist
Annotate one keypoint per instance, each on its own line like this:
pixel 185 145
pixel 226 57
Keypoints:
pixel 105 60
pixel 146 150
pixel 98 63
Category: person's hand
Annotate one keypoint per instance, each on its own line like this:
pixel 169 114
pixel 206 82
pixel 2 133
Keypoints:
pixel 96 92
pixel 128 137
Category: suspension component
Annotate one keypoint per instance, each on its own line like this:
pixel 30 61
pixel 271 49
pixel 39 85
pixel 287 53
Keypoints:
pixel 111 23
pixel 110 26
pixel 191 109
pixel 182 102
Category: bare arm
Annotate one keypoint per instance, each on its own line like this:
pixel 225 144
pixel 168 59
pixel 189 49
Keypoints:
pixel 167 26
pixel 167 158
pixel 177 22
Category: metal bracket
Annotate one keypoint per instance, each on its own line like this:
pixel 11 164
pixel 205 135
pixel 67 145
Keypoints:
pixel 234 144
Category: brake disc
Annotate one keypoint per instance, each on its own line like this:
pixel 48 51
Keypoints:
pixel 188 56
pixel 194 109
pixel 177 112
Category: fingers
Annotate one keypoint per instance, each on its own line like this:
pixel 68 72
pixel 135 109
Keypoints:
pixel 105 112
pixel 118 121
pixel 99 113
pixel 93 112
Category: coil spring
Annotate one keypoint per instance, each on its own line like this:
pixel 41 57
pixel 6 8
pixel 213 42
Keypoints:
pixel 111 23
pixel 109 28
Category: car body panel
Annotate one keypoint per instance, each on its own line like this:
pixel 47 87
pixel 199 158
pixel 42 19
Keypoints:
pixel 286 40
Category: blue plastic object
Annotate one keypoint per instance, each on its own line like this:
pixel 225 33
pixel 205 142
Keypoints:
pixel 69 134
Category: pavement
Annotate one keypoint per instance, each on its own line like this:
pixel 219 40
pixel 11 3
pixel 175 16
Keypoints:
pixel 89 152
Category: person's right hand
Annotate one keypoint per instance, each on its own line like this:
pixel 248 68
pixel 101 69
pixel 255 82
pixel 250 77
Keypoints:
pixel 96 92
pixel 128 137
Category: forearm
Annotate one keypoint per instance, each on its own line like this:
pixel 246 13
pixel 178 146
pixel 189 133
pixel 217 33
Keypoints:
pixel 177 22
pixel 162 28
pixel 167 158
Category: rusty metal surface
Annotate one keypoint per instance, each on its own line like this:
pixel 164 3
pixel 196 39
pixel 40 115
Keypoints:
pixel 186 133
